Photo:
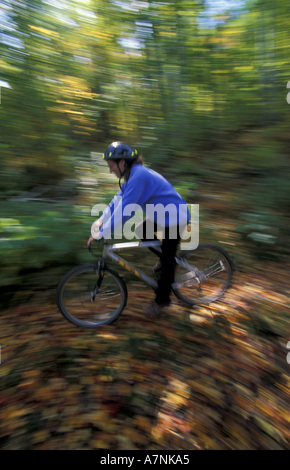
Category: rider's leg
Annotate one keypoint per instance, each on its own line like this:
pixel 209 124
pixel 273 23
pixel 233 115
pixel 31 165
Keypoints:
pixel 147 235
pixel 169 246
pixel 167 258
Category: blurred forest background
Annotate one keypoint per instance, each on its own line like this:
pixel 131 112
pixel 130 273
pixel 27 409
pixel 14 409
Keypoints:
pixel 201 94
pixel 202 89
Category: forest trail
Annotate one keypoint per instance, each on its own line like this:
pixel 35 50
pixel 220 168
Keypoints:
pixel 208 107
pixel 213 377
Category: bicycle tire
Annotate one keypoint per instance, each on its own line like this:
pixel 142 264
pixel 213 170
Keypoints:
pixel 202 276
pixel 78 304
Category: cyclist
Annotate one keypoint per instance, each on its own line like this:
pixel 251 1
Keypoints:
pixel 148 189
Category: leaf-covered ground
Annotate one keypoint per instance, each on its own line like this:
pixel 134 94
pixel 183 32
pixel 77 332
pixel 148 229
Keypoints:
pixel 210 378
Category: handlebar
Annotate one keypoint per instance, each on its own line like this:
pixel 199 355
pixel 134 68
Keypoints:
pixel 90 242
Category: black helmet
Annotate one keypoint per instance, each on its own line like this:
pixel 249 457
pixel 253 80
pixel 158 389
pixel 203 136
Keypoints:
pixel 119 151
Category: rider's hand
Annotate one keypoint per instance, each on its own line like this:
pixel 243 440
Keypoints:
pixel 95 230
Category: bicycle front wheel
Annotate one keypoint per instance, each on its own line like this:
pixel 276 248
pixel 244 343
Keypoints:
pixel 90 299
pixel 203 275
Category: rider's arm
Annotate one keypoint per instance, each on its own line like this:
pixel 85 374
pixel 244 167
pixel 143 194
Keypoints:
pixel 107 214
pixel 96 231
pixel 134 188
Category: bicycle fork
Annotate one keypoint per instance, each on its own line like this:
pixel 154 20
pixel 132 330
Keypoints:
pixel 100 274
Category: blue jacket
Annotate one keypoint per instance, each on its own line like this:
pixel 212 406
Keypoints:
pixel 149 190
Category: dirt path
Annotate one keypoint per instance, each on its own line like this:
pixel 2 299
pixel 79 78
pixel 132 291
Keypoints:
pixel 208 378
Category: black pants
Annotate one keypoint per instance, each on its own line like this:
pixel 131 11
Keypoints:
pixel 170 240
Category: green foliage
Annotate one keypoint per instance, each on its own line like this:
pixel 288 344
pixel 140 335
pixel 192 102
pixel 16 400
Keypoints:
pixel 38 238
pixel 205 105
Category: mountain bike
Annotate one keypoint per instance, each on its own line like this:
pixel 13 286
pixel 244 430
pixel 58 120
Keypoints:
pixel 93 295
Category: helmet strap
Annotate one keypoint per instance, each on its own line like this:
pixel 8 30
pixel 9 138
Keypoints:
pixel 121 172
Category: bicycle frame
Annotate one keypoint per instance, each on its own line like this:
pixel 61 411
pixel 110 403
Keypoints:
pixel 75 304
pixel 109 252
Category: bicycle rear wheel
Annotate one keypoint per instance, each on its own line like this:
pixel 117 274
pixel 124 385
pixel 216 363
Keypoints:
pixel 90 299
pixel 203 275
